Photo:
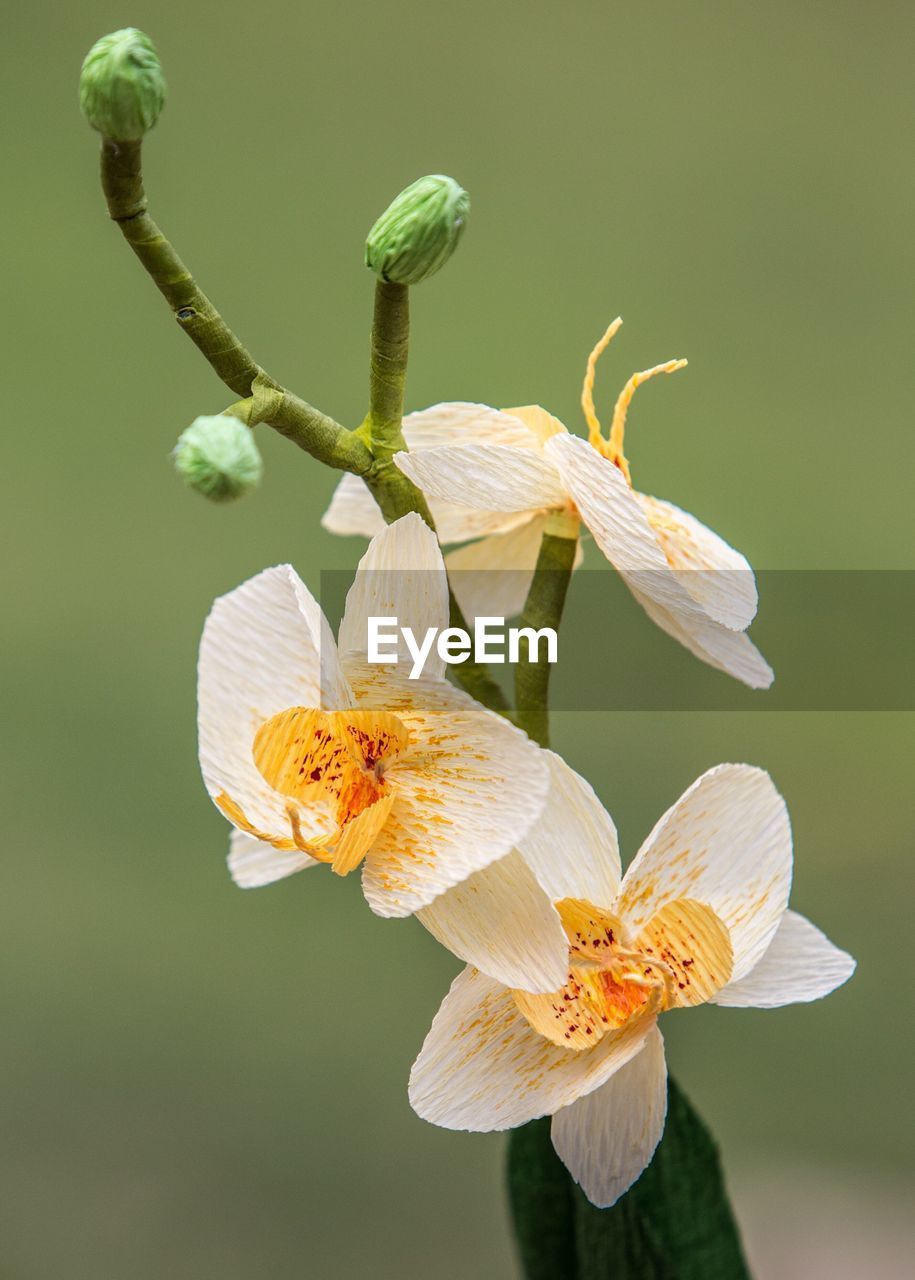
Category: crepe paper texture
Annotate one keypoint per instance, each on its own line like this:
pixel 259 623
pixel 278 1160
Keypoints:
pixel 216 455
pixel 419 231
pixel 122 89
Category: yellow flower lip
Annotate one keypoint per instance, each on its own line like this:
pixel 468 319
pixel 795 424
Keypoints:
pixel 682 956
pixel 611 447
pixel 336 759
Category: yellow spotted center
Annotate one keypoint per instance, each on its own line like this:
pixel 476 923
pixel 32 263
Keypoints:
pixel 327 763
pixel 681 956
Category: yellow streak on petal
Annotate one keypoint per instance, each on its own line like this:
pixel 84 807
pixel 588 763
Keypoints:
pixel 592 932
pixel 358 835
pixel 573 1017
pixel 689 940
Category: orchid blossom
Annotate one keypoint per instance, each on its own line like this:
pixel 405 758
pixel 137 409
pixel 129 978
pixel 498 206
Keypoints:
pixel 497 476
pixel 315 756
pixel 701 915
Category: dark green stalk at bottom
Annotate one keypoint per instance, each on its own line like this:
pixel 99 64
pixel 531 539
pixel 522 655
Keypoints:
pixel 676 1223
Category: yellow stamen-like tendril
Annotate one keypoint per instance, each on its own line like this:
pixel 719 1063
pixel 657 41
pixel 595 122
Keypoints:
pixel 316 848
pixel 587 390
pixel 618 426
pixel 612 447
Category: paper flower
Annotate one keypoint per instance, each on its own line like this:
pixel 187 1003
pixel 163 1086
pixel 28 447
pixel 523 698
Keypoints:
pixel 498 475
pixel 510 542
pixel 701 915
pixel 316 756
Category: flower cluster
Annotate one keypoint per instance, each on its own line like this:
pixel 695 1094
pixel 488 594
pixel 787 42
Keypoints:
pixel 317 753
pixel 500 849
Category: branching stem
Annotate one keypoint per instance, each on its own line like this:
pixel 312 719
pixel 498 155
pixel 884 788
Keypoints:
pixel 305 426
pixel 368 451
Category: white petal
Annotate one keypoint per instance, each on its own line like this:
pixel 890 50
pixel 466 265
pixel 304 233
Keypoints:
pixel 606 1139
pixel 491 578
pixel 253 864
pixel 483 1067
pixel 573 849
pixel 454 523
pixel 538 420
pixel 616 517
pixel 726 843
pixel 800 964
pixel 611 511
pixel 401 576
pixel 500 920
pixel 461 422
pixel 729 651
pixel 265 647
pixel 491 477
pixel 353 511
pixel 468 787
pixel 715 575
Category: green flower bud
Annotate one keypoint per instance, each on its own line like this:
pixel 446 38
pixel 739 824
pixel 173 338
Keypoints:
pixel 217 456
pixel 121 88
pixel 418 233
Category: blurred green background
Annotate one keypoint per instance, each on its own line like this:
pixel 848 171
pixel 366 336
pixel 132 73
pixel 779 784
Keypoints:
pixel 203 1082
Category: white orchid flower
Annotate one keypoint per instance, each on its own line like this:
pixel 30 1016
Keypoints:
pixel 498 476
pixel 315 756
pixel 701 915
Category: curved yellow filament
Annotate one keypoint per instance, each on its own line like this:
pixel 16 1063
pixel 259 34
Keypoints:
pixel 618 426
pixel 612 447
pixel 587 390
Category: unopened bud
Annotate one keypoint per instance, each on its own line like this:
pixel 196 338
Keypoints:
pixel 419 231
pixel 217 456
pixel 121 88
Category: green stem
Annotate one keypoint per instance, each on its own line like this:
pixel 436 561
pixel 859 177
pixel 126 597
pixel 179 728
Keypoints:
pixel 383 432
pixel 305 426
pixel 388 367
pixel 473 676
pixel 382 429
pixel 367 451
pixel 543 608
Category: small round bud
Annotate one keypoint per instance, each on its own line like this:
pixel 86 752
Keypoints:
pixel 121 88
pixel 418 233
pixel 217 456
